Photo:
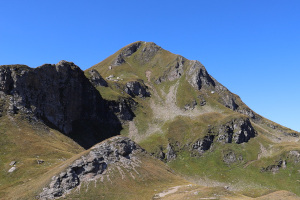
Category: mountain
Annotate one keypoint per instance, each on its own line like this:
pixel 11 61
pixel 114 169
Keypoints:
pixel 183 134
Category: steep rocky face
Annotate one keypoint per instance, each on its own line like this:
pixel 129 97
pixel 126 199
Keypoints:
pixel 60 95
pixel 117 151
pixel 199 78
pixel 135 88
pixel 237 131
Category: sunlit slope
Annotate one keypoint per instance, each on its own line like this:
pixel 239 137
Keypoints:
pixel 196 125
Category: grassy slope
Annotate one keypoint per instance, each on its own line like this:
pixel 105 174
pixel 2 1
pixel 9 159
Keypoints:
pixel 25 144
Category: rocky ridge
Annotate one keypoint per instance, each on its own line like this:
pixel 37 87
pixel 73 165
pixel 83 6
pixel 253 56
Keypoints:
pixel 117 151
pixel 60 96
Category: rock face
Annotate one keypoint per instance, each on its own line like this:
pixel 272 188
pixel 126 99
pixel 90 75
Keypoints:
pixel 204 144
pixel 60 95
pixel 117 151
pixel 126 52
pixel 175 72
pixel 238 130
pixel 200 79
pixel 123 109
pixel 96 79
pixel 135 88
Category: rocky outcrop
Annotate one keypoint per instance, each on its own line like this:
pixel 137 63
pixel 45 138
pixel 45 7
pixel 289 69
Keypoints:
pixel 135 88
pixel 230 157
pixel 203 144
pixel 117 151
pixel 238 130
pixel 174 72
pixel 294 156
pixel 123 109
pixel 59 95
pixel 177 70
pixel 198 77
pixel 126 52
pixel 190 106
pixel 275 168
pixel 171 154
pixel 96 79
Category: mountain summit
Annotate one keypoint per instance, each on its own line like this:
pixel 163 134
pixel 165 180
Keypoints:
pixel 181 131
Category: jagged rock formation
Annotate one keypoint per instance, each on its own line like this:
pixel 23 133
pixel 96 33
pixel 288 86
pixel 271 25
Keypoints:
pixel 61 96
pixel 238 130
pixel 135 88
pixel 203 144
pixel 117 151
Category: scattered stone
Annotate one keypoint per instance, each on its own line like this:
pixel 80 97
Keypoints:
pixel 40 162
pixel 190 106
pixel 12 163
pixel 12 169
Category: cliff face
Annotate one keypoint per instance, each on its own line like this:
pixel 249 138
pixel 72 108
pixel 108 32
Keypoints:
pixel 62 97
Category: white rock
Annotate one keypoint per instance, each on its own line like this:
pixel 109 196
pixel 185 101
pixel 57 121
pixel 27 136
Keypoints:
pixel 12 169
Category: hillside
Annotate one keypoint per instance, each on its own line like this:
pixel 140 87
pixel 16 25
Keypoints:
pixel 195 124
pixel 183 134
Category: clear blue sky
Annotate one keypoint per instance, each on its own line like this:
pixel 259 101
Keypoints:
pixel 250 46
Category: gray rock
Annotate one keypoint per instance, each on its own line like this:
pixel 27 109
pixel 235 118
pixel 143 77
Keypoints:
pixel 229 157
pixel 190 106
pixel 204 144
pixel 275 168
pixel 135 88
pixel 12 163
pixel 12 169
pixel 202 101
pixel 118 150
pixel 294 156
pixel 238 130
pixel 176 71
pixel 40 162
pixel 171 154
pixel 198 77
pixel 96 79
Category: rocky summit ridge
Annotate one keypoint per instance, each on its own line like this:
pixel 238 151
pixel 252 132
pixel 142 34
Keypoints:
pixel 158 116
